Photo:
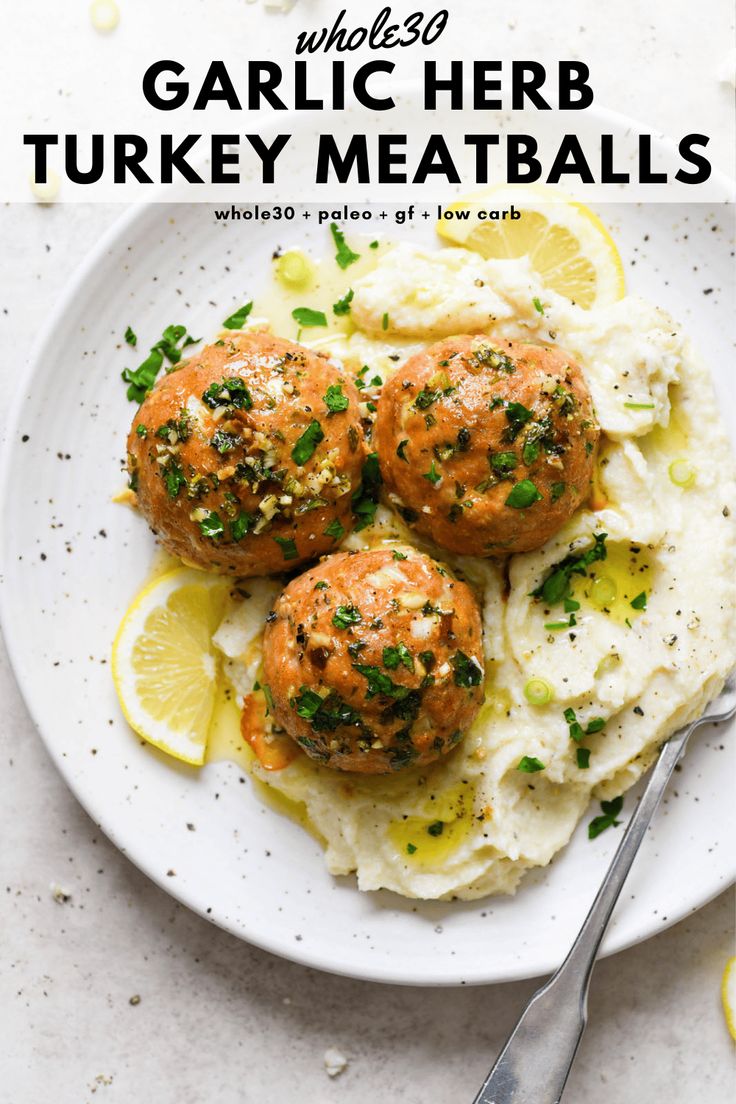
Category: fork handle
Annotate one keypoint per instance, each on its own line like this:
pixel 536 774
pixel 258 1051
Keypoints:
pixel 535 1062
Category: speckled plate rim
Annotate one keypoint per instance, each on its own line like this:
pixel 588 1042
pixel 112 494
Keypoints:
pixel 93 803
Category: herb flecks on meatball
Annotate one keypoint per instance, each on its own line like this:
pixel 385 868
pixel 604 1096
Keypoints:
pixel 374 660
pixel 487 447
pixel 245 458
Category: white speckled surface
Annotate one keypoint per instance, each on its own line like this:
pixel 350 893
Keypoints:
pixel 218 1020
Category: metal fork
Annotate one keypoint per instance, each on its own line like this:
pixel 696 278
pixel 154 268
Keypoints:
pixel 536 1060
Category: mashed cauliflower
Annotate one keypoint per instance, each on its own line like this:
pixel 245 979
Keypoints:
pixel 644 668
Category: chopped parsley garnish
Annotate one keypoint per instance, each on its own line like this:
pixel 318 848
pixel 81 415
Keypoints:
pixel 335 398
pixel 523 495
pixel 410 847
pixel 374 245
pixel 639 406
pixel 142 378
pixel 595 724
pixel 230 392
pixel 384 321
pixel 288 547
pixel 236 320
pixel 463 440
pixel 307 704
pixel 503 462
pixel 564 400
pixel 640 602
pixel 325 714
pixel 335 530
pixel 530 452
pixel 400 555
pixel 342 306
pixel 174 478
pixel 529 765
pixel 240 526
pixel 305 316
pixel 169 343
pixel 583 758
pixel 401 450
pixel 130 337
pixel 558 489
pixel 224 442
pixel 321 584
pixel 538 305
pixel 426 398
pixel 345 616
pixel 467 671
pixel 517 416
pixel 211 526
pixel 436 828
pixel 379 683
pixel 365 498
pixel 307 443
pixel 556 587
pixel 611 809
pixel 432 476
pixel 394 656
pixel 344 256
pixel 141 430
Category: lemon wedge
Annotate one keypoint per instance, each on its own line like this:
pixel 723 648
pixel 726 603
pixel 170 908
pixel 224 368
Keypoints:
pixel 567 244
pixel 164 665
pixel 728 995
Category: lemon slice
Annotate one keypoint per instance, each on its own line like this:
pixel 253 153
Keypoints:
pixel 567 245
pixel 728 995
pixel 164 665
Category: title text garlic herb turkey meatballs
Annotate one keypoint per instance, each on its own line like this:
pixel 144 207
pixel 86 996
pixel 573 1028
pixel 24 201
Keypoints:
pixel 373 660
pixel 487 447
pixel 245 458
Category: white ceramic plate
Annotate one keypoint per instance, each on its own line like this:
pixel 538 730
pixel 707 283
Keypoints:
pixel 73 560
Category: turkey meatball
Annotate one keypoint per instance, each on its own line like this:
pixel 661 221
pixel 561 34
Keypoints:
pixel 487 447
pixel 245 458
pixel 374 661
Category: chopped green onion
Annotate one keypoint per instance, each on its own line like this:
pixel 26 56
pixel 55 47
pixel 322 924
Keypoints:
pixel 294 270
pixel 611 809
pixel 583 758
pixel 603 591
pixel 682 473
pixel 538 691
pixel 529 765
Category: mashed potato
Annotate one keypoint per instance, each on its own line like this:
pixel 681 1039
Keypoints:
pixel 645 638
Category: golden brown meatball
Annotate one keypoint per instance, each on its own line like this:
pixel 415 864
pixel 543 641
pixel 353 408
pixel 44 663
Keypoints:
pixel 245 458
pixel 487 447
pixel 374 660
